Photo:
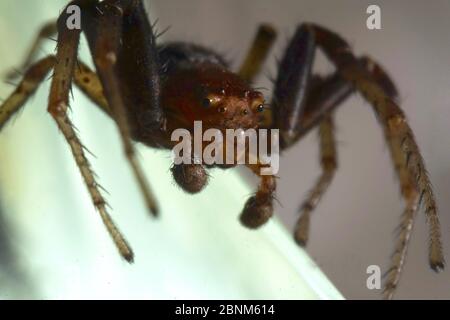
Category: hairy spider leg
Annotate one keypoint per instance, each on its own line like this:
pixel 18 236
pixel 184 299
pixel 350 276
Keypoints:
pixel 89 83
pixel 324 96
pixel 105 25
pixel 66 58
pixel 32 78
pixel 28 85
pixel 404 230
pixel 408 162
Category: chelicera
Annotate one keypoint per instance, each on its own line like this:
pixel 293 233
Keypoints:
pixel 150 89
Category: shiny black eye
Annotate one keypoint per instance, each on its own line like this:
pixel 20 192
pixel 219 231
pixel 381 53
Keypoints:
pixel 260 108
pixel 206 103
pixel 221 109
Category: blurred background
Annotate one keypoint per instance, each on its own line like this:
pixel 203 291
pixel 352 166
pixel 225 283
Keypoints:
pixel 55 246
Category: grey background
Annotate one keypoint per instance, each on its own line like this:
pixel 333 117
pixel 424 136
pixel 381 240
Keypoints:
pixel 353 226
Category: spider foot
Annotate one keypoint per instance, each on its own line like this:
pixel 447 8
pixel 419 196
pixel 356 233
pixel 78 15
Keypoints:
pixel 192 178
pixel 256 212
pixel 301 233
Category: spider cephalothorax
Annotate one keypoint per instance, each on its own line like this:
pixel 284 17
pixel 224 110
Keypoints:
pixel 209 93
pixel 151 89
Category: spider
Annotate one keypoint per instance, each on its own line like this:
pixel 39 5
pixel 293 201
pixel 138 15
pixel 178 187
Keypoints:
pixel 150 89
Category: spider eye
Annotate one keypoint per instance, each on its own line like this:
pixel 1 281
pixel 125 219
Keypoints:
pixel 206 102
pixel 260 108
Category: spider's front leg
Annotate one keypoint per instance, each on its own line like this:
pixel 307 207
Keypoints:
pixel 32 77
pixel 117 30
pixel 66 58
pixel 414 181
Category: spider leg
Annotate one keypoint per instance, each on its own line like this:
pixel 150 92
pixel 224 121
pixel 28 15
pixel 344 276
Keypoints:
pixel 89 83
pixel 407 188
pixel 398 258
pixel 301 102
pixel 32 78
pixel 48 30
pixel 329 164
pixel 381 77
pixel 104 32
pixel 262 43
pixel 259 208
pixel 292 85
pixel 58 104
pixel 325 96
pixel 404 150
pixel 84 78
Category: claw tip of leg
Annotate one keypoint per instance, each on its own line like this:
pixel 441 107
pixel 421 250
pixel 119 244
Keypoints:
pixel 302 242
pixel 437 266
pixel 154 211
pixel 129 257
